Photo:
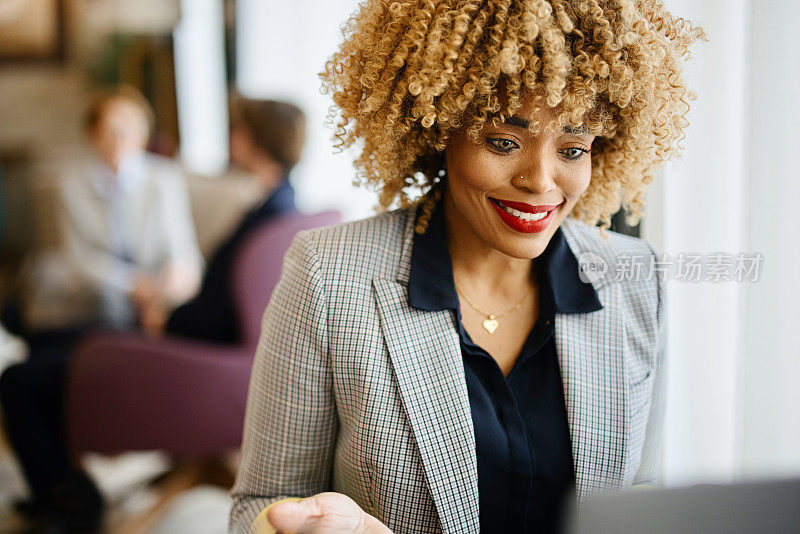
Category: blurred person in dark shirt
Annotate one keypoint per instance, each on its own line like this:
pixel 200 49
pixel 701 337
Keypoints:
pixel 266 141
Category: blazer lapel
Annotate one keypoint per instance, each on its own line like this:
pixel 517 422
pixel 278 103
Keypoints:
pixel 590 348
pixel 426 356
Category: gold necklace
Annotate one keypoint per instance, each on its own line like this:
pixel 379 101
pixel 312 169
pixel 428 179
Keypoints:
pixel 491 322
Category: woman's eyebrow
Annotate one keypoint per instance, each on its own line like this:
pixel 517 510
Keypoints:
pixel 517 121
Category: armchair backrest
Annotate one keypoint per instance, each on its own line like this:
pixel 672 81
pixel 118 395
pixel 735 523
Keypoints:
pixel 259 263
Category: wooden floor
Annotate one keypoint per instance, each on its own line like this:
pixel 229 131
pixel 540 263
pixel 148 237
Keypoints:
pixel 147 493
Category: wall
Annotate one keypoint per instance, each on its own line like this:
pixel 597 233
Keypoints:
pixel 770 420
pixel 40 106
pixel 733 356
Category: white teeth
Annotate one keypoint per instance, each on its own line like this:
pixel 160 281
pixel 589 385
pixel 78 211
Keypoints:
pixel 524 216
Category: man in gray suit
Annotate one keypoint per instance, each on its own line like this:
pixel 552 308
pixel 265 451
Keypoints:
pixel 125 228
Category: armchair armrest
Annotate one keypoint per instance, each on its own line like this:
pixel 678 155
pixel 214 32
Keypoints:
pixel 128 392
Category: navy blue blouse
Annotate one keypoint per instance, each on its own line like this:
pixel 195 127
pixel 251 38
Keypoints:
pixel 524 453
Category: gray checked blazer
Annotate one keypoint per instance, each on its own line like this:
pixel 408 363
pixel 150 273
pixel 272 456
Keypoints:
pixel 356 392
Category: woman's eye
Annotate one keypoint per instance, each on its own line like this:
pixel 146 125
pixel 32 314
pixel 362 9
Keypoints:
pixel 574 153
pixel 502 145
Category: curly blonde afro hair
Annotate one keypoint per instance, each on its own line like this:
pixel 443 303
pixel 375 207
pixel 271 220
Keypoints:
pixel 411 73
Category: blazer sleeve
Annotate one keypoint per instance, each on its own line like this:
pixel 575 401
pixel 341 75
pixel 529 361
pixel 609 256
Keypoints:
pixel 650 468
pixel 291 423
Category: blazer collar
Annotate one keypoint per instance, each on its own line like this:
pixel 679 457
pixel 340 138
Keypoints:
pixel 426 356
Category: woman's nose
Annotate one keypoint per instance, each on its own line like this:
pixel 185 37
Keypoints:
pixel 536 178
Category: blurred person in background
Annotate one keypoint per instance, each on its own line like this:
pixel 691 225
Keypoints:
pixel 151 249
pixel 126 232
pixel 266 142
pixel 267 138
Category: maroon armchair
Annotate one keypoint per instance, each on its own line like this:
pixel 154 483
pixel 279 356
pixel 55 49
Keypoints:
pixel 130 392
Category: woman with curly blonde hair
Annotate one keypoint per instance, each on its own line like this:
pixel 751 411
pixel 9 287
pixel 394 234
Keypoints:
pixel 475 357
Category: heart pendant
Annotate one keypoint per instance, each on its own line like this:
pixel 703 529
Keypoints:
pixel 490 324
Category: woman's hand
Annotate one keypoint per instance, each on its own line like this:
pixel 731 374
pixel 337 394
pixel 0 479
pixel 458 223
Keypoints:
pixel 324 513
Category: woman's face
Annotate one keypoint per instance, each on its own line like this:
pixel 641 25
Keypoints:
pixel 512 190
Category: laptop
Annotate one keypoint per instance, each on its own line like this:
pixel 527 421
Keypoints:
pixel 770 507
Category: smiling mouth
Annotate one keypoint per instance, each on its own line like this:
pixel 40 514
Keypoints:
pixel 530 213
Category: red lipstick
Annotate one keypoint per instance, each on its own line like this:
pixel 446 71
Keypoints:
pixel 521 225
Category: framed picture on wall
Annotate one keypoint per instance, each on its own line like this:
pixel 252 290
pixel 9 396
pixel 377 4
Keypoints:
pixel 31 30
